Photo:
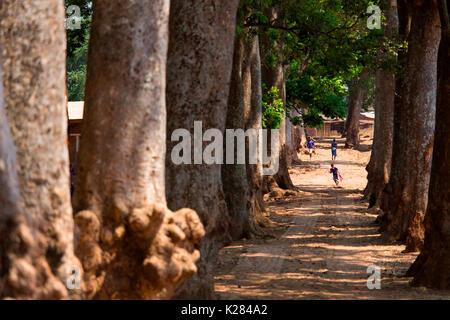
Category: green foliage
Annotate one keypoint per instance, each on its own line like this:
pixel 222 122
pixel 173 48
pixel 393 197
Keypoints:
pixel 369 98
pixel 312 119
pixel 76 72
pixel 325 44
pixel 76 38
pixel 77 49
pixel 272 109
pixel 318 95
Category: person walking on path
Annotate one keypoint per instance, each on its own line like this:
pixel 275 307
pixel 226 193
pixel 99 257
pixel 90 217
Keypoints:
pixel 333 150
pixel 311 147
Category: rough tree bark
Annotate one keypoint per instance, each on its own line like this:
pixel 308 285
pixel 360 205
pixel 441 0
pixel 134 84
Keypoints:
pixel 432 267
pixel 242 183
pixel 198 77
pixel 234 176
pixel 288 142
pixel 130 244
pixel 399 141
pixel 405 206
pixel 253 120
pixel 275 77
pixel 349 116
pixel 24 271
pixel 34 62
pixel 298 139
pixel 356 99
pixel 379 167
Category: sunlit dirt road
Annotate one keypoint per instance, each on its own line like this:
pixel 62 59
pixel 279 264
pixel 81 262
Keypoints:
pixel 324 243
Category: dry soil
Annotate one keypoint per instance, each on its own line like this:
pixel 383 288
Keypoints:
pixel 324 242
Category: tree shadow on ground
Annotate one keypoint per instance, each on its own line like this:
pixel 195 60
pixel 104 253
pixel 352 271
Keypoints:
pixel 324 252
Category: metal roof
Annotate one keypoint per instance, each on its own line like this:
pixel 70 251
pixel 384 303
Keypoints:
pixel 370 114
pixel 76 110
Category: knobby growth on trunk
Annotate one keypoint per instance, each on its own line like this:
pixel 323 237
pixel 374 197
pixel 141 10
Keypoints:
pixel 130 244
pixel 34 44
pixel 24 271
pixel 432 267
pixel 405 203
pixel 198 83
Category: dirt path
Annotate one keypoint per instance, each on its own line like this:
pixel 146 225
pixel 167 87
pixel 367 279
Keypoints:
pixel 325 242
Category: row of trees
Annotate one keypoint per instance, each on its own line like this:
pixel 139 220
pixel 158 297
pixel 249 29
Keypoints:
pixel 125 242
pixel 128 232
pixel 412 115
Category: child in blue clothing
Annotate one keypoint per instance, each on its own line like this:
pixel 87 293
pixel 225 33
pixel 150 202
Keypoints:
pixel 333 150
pixel 335 173
pixel 311 147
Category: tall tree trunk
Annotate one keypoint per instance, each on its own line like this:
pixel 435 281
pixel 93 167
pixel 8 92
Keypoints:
pixel 253 120
pixel 130 244
pixel 298 139
pixel 198 77
pixel 432 267
pixel 242 183
pixel 405 207
pixel 234 176
pixel 399 156
pixel 24 271
pixel 348 118
pixel 275 77
pixel 356 99
pixel 350 106
pixel 289 148
pixel 379 166
pixel 34 62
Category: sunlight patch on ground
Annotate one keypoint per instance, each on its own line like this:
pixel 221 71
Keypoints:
pixel 327 247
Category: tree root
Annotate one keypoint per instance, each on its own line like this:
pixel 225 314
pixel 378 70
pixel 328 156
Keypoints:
pixel 142 254
pixel 24 271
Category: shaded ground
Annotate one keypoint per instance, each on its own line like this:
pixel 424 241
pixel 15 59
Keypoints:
pixel 324 243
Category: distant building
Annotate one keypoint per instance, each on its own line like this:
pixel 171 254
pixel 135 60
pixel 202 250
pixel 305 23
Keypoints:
pixel 75 120
pixel 370 115
pixel 333 127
